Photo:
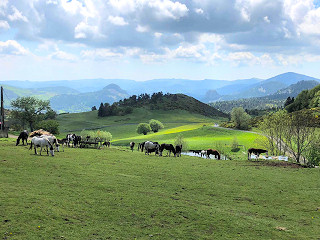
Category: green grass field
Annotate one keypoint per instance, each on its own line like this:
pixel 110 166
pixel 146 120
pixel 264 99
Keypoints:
pixel 196 129
pixel 118 194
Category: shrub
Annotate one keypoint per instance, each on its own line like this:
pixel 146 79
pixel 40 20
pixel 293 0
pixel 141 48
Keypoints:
pixel 96 134
pixel 51 126
pixel 143 128
pixel 155 125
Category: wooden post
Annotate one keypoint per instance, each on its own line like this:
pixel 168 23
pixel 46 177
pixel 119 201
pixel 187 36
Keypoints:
pixel 2 110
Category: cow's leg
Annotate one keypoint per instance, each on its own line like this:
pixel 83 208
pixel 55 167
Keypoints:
pixel 35 150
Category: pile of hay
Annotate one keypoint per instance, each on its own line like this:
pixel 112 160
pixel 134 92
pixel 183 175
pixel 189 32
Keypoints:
pixel 39 132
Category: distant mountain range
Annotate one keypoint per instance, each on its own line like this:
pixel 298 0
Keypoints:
pixel 274 100
pixel 91 92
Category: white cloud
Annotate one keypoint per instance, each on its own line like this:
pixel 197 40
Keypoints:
pixel 12 47
pixel 266 19
pixel 100 54
pixel 119 21
pixel 61 55
pixel 140 28
pixel 199 10
pixel 17 15
pixel 84 30
pixel 4 25
pixel 167 8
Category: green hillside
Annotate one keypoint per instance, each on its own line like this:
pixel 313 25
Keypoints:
pixel 125 126
pixel 306 99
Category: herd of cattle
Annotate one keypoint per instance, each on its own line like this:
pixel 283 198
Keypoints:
pixel 149 147
pixel 43 139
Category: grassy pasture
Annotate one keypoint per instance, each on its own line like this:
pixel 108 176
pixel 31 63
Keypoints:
pixel 125 126
pixel 116 194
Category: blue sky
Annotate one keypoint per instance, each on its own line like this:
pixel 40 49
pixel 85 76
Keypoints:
pixel 147 39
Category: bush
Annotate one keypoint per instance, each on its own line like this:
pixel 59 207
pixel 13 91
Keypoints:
pixel 155 125
pixel 98 134
pixel 143 128
pixel 51 126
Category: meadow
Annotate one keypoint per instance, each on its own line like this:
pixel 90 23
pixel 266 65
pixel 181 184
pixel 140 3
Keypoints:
pixel 114 193
pixel 197 130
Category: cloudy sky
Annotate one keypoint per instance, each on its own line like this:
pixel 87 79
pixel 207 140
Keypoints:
pixel 146 39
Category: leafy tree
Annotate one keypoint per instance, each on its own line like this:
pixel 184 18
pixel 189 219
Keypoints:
pixel 155 125
pixel 50 114
pixel 93 108
pixel 143 128
pixel 51 126
pixel 29 110
pixel 240 118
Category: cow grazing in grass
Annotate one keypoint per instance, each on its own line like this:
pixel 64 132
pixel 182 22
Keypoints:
pixel 178 150
pixel 203 153
pixel 132 145
pixel 62 142
pixel 213 152
pixel 151 147
pixel 195 151
pixel 141 146
pixel 22 136
pixel 42 143
pixel 256 151
pixel 107 144
pixel 168 147
pixel 76 140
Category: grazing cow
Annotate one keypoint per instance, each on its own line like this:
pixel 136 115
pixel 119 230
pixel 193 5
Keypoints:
pixel 213 152
pixel 151 147
pixel 168 147
pixel 256 151
pixel 24 136
pixel 178 150
pixel 132 145
pixel 62 142
pixel 203 153
pixel 107 144
pixel 70 138
pixel 141 146
pixel 195 151
pixel 41 142
pixel 76 140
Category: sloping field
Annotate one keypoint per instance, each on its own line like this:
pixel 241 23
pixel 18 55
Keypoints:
pixel 125 126
pixel 116 194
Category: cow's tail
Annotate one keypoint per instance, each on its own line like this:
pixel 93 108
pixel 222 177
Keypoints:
pixel 31 145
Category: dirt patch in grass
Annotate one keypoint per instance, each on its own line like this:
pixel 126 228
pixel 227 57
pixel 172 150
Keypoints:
pixel 282 164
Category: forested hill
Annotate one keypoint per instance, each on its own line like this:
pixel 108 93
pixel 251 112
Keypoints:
pixel 160 101
pixel 305 100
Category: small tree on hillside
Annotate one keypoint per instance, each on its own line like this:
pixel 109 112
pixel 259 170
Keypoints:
pixel 143 128
pixel 155 125
pixel 240 118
